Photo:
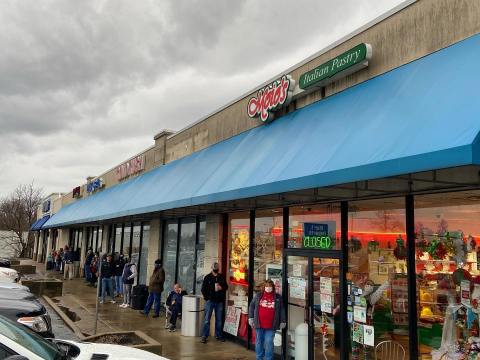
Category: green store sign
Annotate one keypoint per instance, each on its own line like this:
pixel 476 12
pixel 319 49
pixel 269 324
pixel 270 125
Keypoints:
pixel 316 236
pixel 342 65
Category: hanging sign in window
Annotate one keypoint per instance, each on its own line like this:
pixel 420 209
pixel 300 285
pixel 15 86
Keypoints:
pixel 318 236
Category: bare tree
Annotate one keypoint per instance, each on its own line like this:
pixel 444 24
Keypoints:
pixel 17 214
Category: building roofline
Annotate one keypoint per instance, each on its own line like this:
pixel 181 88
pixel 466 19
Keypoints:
pixel 336 43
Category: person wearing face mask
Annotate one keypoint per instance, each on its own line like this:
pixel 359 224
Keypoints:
pixel 266 315
pixel 214 288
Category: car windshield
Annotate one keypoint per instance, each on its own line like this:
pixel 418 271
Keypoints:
pixel 28 339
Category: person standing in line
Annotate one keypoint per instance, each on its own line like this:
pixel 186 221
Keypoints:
pixel 128 278
pixel 155 289
pixel 93 270
pixel 119 265
pixel 68 267
pixel 214 288
pixel 266 315
pixel 76 262
pixel 107 272
pixel 59 260
pixel 86 266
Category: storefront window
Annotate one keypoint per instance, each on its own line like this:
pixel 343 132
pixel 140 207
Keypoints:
pixel 136 245
pixel 127 230
pixel 448 274
pixel 268 256
pixel 117 245
pixel 99 238
pixel 315 227
pixel 170 236
pixel 377 293
pixel 237 299
pixel 142 277
pixel 200 260
pixel 186 254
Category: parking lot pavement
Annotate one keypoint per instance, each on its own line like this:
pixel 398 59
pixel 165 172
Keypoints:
pixel 60 329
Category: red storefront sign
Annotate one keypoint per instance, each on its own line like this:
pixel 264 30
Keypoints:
pixel 131 167
pixel 271 98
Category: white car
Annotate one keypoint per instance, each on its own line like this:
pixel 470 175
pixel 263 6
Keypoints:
pixel 13 286
pixel 21 343
pixel 9 275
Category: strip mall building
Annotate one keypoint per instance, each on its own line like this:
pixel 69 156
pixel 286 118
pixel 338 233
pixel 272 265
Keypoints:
pixel 352 180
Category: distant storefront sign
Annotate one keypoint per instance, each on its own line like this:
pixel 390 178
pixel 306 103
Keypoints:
pixel 318 236
pixel 46 206
pixel 344 64
pixel 131 167
pixel 270 98
pixel 95 185
pixel 77 192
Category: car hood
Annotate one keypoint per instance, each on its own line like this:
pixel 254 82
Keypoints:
pixel 13 294
pixel 87 350
pixel 19 308
pixel 13 286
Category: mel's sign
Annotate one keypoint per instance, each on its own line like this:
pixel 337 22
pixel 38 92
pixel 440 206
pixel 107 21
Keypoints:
pixel 131 167
pixel 317 236
pixel 345 64
pixel 271 98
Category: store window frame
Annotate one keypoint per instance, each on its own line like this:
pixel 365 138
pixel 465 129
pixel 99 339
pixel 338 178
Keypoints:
pixel 198 247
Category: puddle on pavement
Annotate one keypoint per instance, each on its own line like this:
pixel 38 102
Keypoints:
pixel 71 314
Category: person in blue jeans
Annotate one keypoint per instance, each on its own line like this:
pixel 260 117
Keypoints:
pixel 155 289
pixel 214 288
pixel 266 315
pixel 86 266
pixel 107 272
pixel 119 265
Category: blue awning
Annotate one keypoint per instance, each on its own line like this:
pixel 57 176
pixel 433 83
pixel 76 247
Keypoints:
pixel 421 116
pixel 39 224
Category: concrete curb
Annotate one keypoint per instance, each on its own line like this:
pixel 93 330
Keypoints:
pixel 150 345
pixel 65 318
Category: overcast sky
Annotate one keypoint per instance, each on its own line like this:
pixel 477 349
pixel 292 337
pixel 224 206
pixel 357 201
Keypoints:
pixel 86 84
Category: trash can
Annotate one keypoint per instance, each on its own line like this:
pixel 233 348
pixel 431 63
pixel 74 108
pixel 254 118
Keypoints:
pixel 193 313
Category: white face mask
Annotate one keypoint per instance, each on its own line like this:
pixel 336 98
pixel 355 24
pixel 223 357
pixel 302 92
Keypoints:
pixel 268 289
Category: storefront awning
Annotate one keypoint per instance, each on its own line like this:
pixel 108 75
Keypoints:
pixel 39 224
pixel 418 117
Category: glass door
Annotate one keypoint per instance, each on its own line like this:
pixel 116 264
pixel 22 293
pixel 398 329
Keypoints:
pixel 313 307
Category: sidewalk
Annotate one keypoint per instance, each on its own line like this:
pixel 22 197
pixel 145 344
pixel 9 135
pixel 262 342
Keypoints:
pixel 80 298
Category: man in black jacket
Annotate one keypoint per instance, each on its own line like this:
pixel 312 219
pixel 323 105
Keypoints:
pixel 214 288
pixel 107 272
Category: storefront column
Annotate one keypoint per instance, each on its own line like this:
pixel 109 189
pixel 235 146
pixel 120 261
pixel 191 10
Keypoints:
pixel 83 249
pixel 49 244
pixel 344 335
pixel 154 244
pixel 412 276
pixel 35 245
pixel 62 239
pixel 213 243
pixel 40 245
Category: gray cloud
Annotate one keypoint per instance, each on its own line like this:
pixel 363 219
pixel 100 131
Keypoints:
pixel 86 84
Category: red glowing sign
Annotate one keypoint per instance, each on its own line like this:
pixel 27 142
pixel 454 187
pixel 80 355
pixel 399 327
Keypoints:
pixel 271 98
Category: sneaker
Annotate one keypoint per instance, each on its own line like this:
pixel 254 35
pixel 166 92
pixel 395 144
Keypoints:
pixel 143 313
pixel 204 340
pixel 101 301
pixel 113 301
pixel 155 316
pixel 221 339
pixel 172 329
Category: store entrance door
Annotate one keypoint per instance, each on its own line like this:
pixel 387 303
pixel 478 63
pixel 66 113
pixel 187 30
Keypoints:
pixel 313 306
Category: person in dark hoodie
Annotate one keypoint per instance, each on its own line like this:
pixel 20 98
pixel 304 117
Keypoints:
pixel 214 288
pixel 107 272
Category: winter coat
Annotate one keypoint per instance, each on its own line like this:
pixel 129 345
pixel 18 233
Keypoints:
pixel 279 316
pixel 156 281
pixel 208 288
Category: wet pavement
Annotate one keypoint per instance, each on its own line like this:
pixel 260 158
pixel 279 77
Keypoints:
pixel 81 299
